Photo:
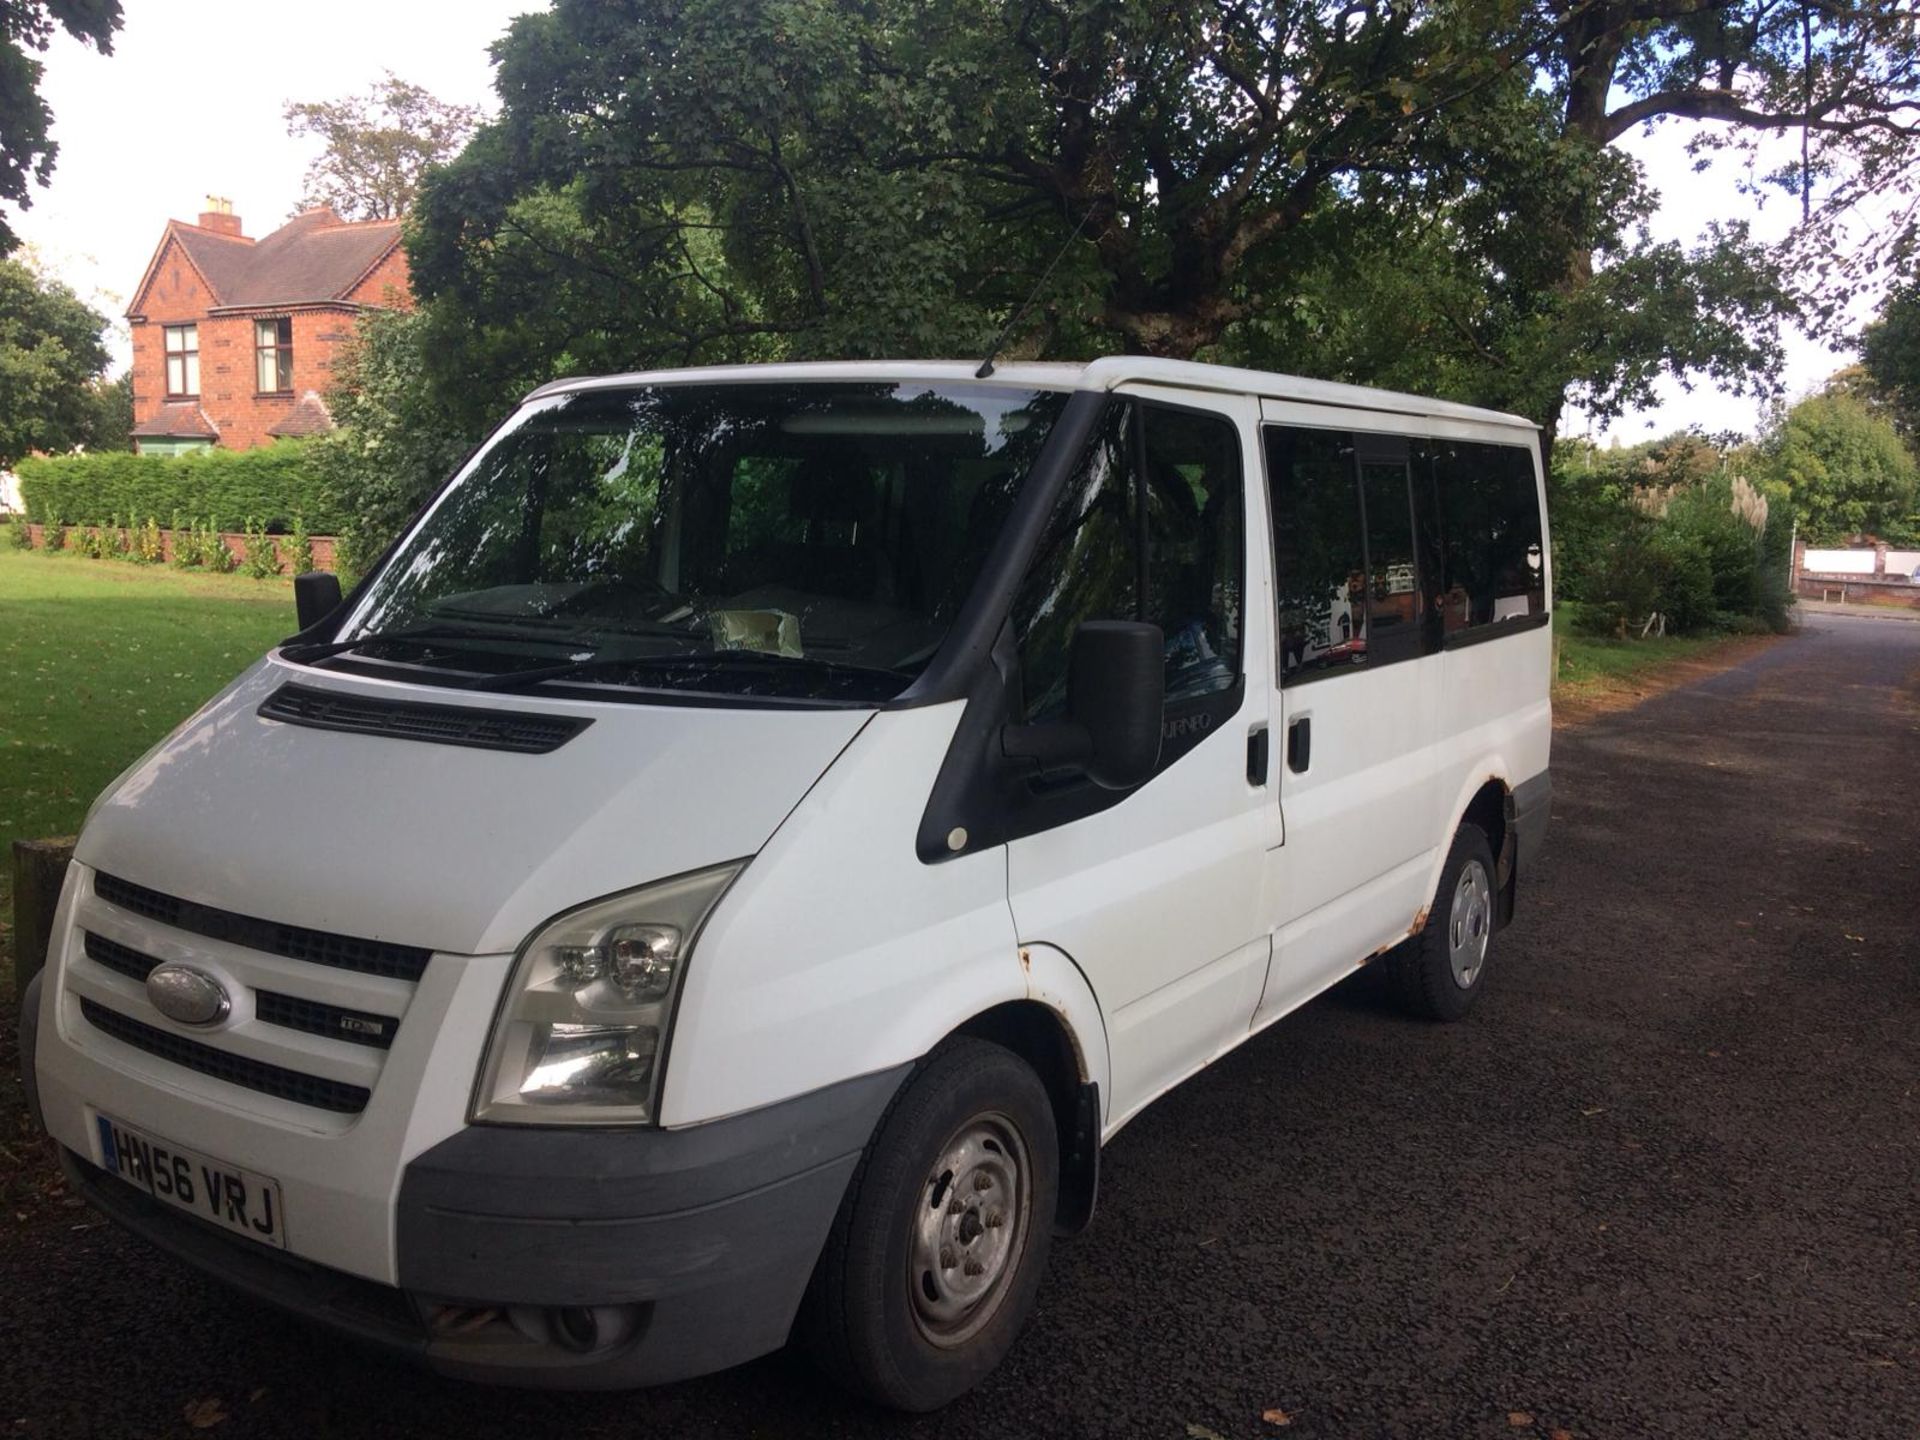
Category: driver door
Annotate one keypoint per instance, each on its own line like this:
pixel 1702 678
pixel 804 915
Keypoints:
pixel 1155 892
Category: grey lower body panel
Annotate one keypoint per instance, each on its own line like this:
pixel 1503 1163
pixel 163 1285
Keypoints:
pixel 691 1249
pixel 1532 803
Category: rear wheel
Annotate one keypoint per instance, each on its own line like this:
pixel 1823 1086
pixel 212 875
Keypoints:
pixel 1439 973
pixel 934 1259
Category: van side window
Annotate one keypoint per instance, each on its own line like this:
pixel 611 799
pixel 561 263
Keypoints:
pixel 1195 547
pixel 1490 522
pixel 1173 476
pixel 1393 575
pixel 1319 550
pixel 1085 569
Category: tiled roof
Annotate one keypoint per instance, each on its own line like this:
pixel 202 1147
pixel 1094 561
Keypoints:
pixel 309 417
pixel 314 256
pixel 184 420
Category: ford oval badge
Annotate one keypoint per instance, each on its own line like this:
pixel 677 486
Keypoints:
pixel 187 995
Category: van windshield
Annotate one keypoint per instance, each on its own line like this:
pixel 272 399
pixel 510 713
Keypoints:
pixel 801 541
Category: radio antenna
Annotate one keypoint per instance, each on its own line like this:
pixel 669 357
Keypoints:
pixel 1006 331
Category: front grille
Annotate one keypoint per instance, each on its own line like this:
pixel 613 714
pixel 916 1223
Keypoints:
pixel 361 1027
pixel 268 1079
pixel 511 730
pixel 115 956
pixel 343 952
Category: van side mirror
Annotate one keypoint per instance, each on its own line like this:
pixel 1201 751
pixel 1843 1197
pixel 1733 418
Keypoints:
pixel 316 595
pixel 1116 693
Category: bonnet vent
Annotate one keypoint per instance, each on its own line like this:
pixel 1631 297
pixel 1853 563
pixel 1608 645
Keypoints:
pixel 512 730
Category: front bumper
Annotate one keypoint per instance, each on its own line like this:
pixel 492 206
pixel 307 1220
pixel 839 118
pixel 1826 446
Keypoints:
pixel 688 1249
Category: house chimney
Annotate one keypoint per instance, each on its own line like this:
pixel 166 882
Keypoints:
pixel 219 216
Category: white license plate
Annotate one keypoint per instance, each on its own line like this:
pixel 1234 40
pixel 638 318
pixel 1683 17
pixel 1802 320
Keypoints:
pixel 237 1199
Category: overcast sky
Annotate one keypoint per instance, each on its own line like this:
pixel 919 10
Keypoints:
pixel 189 104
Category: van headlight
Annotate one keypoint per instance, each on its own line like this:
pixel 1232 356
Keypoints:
pixel 579 1038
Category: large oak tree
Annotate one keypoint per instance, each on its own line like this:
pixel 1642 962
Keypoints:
pixel 695 179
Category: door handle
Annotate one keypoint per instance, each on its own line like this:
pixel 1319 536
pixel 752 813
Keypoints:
pixel 1300 744
pixel 1257 757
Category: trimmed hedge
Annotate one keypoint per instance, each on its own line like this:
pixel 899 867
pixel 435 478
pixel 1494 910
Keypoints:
pixel 228 489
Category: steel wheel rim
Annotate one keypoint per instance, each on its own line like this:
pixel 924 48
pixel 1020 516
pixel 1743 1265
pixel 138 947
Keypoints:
pixel 1470 924
pixel 969 1230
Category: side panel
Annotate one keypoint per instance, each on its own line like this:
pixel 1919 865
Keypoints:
pixel 1362 825
pixel 837 952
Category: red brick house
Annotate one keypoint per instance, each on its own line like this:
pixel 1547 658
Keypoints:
pixel 234 339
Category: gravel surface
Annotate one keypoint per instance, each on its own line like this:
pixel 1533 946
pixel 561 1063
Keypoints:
pixel 1661 1183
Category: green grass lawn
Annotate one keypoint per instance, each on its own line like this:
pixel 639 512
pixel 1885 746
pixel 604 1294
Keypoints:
pixel 99 659
pixel 1592 667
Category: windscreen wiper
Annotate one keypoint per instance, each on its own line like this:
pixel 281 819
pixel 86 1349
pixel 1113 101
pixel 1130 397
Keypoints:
pixel 419 633
pixel 706 660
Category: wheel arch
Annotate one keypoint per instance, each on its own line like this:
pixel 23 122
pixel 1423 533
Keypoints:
pixel 1068 1051
pixel 1485 799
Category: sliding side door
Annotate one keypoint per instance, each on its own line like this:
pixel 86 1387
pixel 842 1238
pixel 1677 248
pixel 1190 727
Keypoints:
pixel 1356 704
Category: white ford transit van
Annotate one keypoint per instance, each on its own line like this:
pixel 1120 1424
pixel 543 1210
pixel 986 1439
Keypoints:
pixel 729 868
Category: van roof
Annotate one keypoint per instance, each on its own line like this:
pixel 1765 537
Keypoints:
pixel 1107 373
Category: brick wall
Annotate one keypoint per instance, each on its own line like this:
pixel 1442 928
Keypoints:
pixel 323 545
pixel 1856 575
pixel 388 283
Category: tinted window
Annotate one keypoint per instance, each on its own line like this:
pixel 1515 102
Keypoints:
pixel 1194 547
pixel 1319 550
pixel 1393 577
pixel 1188 580
pixel 1490 527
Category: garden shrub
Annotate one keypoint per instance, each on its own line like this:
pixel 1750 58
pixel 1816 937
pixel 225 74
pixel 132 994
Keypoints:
pixel 263 558
pixel 147 546
pixel 299 548
pixel 54 535
pixel 181 540
pixel 214 553
pixel 1666 528
pixel 19 534
pixel 274 484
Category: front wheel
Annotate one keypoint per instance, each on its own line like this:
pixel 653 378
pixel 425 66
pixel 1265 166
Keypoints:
pixel 1439 973
pixel 939 1245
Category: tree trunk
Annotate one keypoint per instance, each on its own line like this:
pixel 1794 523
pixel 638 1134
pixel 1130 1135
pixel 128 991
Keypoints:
pixel 39 868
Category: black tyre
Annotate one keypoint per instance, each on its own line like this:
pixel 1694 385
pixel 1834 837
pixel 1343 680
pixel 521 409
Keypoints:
pixel 1439 973
pixel 934 1258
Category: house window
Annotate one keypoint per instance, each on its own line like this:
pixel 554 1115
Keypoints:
pixel 273 355
pixel 183 361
